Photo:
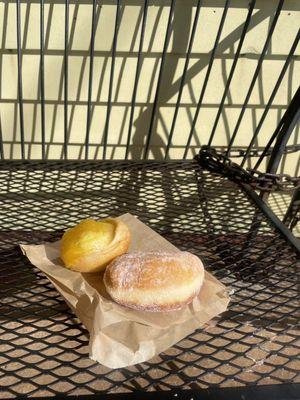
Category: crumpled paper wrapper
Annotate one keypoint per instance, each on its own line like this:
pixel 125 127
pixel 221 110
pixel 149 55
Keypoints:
pixel 119 336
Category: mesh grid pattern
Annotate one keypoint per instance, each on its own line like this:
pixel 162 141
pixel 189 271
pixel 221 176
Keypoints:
pixel 44 348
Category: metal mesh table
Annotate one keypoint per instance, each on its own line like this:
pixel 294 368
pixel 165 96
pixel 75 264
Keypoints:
pixel 44 348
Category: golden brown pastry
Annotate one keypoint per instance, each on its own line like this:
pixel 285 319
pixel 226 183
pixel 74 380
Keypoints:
pixel 91 245
pixel 154 281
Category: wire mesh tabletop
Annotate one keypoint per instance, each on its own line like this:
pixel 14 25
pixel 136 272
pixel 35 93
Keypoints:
pixel 44 348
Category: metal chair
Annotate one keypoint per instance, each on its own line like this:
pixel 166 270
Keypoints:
pixel 207 204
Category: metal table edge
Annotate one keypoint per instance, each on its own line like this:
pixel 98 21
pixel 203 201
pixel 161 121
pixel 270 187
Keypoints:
pixel 263 392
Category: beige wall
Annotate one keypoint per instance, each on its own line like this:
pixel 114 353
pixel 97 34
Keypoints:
pixel 128 40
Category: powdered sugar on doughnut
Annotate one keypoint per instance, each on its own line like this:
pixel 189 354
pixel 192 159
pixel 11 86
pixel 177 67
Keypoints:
pixel 153 270
pixel 154 281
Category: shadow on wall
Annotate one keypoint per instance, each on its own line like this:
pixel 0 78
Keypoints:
pixel 123 77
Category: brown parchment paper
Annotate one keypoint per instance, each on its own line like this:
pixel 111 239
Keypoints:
pixel 119 336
